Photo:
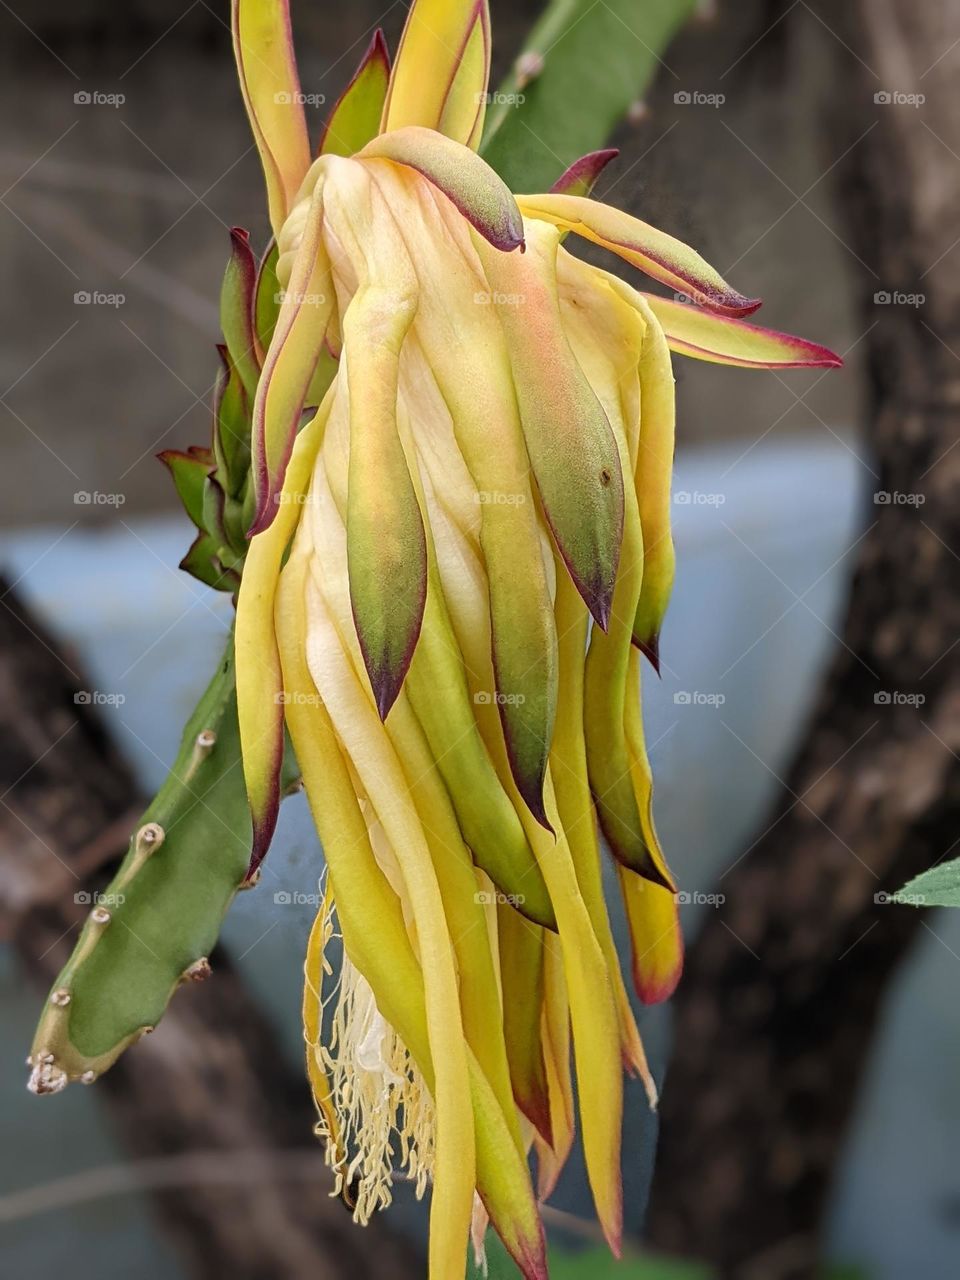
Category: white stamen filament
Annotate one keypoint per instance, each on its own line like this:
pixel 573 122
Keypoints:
pixel 384 1110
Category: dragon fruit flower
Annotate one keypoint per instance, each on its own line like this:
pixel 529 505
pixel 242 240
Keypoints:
pixel 460 552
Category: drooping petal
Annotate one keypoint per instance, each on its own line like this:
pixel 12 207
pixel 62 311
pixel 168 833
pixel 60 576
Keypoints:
pixel 355 118
pixel 596 1039
pixel 386 546
pixel 654 473
pixel 656 943
pixel 378 771
pixel 571 446
pixel 439 696
pixel 521 974
pixel 290 362
pixel 438 691
pixel 465 909
pixel 440 76
pixel 464 349
pixel 236 309
pixel 259 680
pixel 263 48
pixel 468 182
pixel 579 179
pixel 611 690
pixel 660 255
pixel 502 1179
pixel 692 331
pixel 556 1051
pixel 568 762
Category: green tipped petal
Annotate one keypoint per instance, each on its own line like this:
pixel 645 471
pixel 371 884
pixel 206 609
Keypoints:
pixel 386 546
pixel 659 255
pixel 440 77
pixel 355 119
pixel 438 692
pixel 459 173
pixel 521 974
pixel 263 47
pixel 692 331
pixel 571 446
pixel 653 477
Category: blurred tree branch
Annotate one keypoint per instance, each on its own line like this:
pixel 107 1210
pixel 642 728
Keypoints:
pixel 211 1082
pixel 776 1014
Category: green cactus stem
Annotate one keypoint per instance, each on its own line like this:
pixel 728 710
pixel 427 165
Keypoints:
pixel 156 924
pixel 583 67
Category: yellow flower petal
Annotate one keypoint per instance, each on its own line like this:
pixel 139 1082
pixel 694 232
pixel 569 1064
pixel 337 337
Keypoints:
pixel 259 681
pixel 263 48
pixel 440 76
pixel 659 255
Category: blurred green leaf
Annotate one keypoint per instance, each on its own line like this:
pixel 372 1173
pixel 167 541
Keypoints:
pixel 938 887
pixel 591 1264
pixel 597 59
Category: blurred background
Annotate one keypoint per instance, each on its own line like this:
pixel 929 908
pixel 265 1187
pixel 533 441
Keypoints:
pixel 804 735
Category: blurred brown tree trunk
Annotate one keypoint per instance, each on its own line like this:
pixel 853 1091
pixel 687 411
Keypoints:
pixel 776 1014
pixel 211 1081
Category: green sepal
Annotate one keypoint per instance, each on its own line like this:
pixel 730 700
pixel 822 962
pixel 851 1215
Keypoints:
pixel 355 118
pixel 231 427
pixel 189 471
pixel 203 562
pixel 236 309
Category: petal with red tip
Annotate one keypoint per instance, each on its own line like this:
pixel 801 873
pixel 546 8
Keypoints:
pixel 656 943
pixel 659 255
pixel 692 331
pixel 579 179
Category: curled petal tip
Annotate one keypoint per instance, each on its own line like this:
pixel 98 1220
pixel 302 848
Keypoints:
pixel 580 177
pixel 651 651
